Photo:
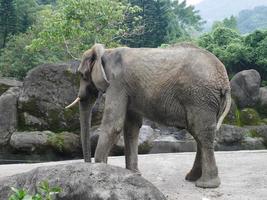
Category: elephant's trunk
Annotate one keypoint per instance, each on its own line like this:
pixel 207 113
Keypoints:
pixel 85 124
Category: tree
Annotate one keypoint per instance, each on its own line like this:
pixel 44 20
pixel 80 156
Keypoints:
pixel 52 2
pixel 163 21
pixel 230 23
pixel 74 26
pixel 8 20
pixel 26 11
pixel 16 60
pixel 63 32
pixel 238 52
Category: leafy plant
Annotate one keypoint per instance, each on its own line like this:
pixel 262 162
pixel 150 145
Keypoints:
pixel 46 193
pixel 237 52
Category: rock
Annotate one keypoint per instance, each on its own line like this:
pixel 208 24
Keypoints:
pixel 249 116
pixel 229 135
pixel 245 87
pixel 145 140
pixel 231 138
pixel 46 142
pixel 146 137
pixel 85 181
pixel 259 131
pixel 47 89
pixel 250 143
pixel 36 141
pixel 262 107
pixel 6 83
pixel 170 144
pixel 8 114
pixel 66 143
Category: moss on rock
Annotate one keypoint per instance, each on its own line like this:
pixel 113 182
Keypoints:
pixel 264 121
pixel 56 141
pixel 249 116
pixel 233 117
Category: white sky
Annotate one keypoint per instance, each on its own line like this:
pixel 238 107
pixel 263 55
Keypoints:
pixel 193 2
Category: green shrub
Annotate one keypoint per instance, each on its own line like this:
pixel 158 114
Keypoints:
pixel 45 193
pixel 249 116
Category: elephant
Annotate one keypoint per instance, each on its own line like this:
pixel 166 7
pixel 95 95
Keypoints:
pixel 184 87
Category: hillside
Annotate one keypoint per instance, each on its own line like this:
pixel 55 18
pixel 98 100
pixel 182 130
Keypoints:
pixel 250 20
pixel 212 10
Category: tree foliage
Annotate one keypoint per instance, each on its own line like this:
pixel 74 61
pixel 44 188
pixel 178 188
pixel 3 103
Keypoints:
pixel 163 21
pixel 236 51
pixel 60 30
pixel 230 22
pixel 16 16
pixel 74 26
pixel 7 20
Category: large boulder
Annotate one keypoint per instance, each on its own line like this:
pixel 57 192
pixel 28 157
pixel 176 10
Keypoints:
pixel 262 107
pixel 146 137
pixel 170 144
pixel 231 138
pixel 47 89
pixel 84 181
pixel 259 131
pixel 46 143
pixel 8 114
pixel 253 143
pixel 6 83
pixel 230 135
pixel 245 87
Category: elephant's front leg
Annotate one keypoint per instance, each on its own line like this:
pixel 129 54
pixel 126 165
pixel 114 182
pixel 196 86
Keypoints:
pixel 112 122
pixel 131 132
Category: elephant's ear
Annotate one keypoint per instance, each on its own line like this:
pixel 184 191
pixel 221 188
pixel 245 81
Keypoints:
pixel 98 73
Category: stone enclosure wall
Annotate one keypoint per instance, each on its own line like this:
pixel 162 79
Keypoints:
pixel 33 120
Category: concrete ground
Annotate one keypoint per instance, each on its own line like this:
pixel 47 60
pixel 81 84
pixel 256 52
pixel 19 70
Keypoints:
pixel 243 174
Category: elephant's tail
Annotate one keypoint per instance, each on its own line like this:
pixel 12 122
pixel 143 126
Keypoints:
pixel 227 107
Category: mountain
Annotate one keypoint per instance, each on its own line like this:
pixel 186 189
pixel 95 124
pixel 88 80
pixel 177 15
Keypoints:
pixel 250 20
pixel 214 10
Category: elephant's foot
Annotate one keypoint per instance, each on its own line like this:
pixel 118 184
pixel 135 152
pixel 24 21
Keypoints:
pixel 194 174
pixel 137 172
pixel 86 159
pixel 208 183
pixel 101 159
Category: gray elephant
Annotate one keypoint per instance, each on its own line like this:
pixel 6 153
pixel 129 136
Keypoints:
pixel 185 87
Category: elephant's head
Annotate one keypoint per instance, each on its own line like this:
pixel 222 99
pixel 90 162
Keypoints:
pixel 93 79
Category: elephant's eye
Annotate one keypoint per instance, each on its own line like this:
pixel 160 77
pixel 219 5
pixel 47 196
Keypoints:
pixel 83 76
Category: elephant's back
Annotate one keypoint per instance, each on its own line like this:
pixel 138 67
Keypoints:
pixel 184 64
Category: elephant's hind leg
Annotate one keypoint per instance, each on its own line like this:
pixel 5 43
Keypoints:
pixel 132 125
pixel 203 127
pixel 112 123
pixel 196 171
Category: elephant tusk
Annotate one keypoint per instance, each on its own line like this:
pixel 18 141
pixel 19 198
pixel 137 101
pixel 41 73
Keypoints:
pixel 73 103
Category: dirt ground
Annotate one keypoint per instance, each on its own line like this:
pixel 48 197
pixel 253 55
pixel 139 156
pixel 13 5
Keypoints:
pixel 243 174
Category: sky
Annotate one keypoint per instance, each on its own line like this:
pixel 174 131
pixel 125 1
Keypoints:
pixel 193 2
